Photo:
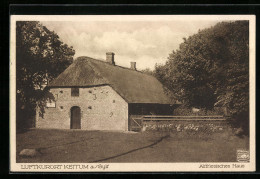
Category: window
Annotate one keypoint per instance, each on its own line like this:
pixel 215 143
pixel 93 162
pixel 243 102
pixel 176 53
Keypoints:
pixel 74 91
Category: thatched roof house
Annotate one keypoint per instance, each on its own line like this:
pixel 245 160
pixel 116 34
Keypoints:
pixel 137 94
pixel 132 85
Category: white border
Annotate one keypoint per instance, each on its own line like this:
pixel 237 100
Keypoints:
pixel 133 167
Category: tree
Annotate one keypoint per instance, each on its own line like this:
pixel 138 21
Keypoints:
pixel 40 57
pixel 212 68
pixel 148 71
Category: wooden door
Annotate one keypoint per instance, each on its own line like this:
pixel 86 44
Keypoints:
pixel 75 120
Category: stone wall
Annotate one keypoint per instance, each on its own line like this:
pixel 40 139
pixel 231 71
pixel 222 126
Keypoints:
pixel 101 109
pixel 207 126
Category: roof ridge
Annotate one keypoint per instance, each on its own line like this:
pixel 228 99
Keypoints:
pixel 102 61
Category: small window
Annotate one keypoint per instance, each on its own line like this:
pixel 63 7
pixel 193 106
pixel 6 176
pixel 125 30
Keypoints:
pixel 74 91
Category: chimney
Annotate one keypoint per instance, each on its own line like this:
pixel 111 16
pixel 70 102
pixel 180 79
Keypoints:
pixel 110 58
pixel 133 65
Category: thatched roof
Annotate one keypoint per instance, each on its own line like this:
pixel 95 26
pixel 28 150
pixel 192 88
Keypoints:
pixel 132 85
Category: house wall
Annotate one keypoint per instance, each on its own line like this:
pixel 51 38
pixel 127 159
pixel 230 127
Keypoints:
pixel 101 109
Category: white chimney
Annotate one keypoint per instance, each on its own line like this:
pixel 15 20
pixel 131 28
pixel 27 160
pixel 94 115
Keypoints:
pixel 110 58
pixel 133 65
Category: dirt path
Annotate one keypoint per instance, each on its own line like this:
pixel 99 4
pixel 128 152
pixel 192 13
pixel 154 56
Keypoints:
pixel 131 151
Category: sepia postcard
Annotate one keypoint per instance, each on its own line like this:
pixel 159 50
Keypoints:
pixel 132 93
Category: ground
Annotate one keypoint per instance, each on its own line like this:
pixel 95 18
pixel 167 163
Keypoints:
pixel 109 146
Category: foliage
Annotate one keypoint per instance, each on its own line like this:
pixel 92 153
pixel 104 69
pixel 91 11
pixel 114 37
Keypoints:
pixel 40 57
pixel 211 68
pixel 184 111
pixel 148 71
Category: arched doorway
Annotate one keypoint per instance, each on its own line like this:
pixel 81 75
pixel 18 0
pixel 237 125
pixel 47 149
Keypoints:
pixel 75 118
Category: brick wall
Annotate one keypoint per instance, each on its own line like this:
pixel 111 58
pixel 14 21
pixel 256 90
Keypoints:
pixel 101 109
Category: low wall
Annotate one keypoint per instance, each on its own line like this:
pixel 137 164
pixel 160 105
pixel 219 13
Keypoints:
pixel 207 126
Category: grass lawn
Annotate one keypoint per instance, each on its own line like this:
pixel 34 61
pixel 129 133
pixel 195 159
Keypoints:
pixel 102 146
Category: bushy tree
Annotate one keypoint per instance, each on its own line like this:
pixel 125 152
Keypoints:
pixel 211 68
pixel 148 71
pixel 40 57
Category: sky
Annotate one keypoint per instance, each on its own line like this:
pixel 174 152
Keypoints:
pixel 143 42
